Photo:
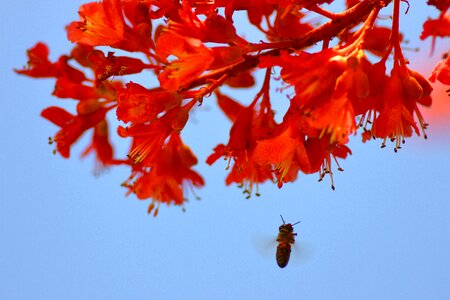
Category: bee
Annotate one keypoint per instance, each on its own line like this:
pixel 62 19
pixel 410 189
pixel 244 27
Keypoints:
pixel 285 239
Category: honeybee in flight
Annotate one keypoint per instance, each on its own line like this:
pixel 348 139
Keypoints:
pixel 285 239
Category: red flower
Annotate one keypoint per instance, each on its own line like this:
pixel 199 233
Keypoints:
pixel 105 67
pixel 193 58
pixel 102 24
pixel 39 66
pixel 170 176
pixel 248 126
pixel 442 5
pixel 442 71
pixel 330 91
pixel 101 145
pixel 321 154
pixel 139 105
pixel 436 28
pixel 312 75
pixel 287 25
pixel 65 88
pixel 401 93
pixel 148 139
pixel 377 40
pixel 214 28
pixel 72 127
pixel 279 154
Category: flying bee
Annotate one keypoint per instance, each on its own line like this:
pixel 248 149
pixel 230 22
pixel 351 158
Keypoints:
pixel 285 239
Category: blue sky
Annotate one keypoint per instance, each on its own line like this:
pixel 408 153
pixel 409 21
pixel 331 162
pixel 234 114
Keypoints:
pixel 67 234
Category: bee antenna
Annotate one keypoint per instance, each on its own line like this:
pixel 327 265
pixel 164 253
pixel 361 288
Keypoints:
pixel 296 223
pixel 282 219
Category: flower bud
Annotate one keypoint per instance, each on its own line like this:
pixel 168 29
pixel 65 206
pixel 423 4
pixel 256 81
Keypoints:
pixel 361 85
pixel 412 87
pixel 87 106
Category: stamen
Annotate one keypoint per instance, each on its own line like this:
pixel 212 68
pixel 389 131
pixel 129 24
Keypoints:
pixel 141 151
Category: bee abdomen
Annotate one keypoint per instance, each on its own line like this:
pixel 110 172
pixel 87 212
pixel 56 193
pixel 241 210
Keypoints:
pixel 283 254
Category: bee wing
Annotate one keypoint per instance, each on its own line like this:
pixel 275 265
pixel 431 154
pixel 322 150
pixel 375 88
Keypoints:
pixel 265 246
pixel 302 251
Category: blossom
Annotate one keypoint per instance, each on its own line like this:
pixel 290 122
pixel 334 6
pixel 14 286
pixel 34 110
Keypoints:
pixel 110 65
pixel 193 58
pixel 248 126
pixel 279 152
pixel 288 25
pixel 191 49
pixel 39 65
pixel 401 93
pixel 442 5
pixel 214 28
pixel 65 88
pixel 436 28
pixel 139 105
pixel 169 178
pixel 101 145
pixel 442 71
pixel 149 138
pixel 72 127
pixel 103 24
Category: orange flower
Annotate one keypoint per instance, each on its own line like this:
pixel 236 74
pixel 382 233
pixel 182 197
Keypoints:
pixel 105 67
pixel 139 105
pixel 278 153
pixel 442 71
pixel 214 28
pixel 377 40
pixel 169 178
pixel 287 25
pixel 442 5
pixel 321 154
pixel 335 116
pixel 436 28
pixel 39 66
pixel 65 88
pixel 148 139
pixel 72 127
pixel 101 145
pixel 102 24
pixel 247 127
pixel 312 75
pixel 193 58
pixel 401 93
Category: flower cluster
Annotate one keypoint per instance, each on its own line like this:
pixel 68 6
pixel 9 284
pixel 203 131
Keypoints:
pixel 358 81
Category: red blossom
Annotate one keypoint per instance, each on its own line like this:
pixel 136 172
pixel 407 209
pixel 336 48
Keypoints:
pixel 149 138
pixel 169 178
pixel 436 28
pixel 102 24
pixel 190 49
pixel 139 105
pixel 279 153
pixel 65 88
pixel 442 71
pixel 110 65
pixel 39 65
pixel 442 5
pixel 101 145
pixel 248 126
pixel 214 28
pixel 72 127
pixel 193 58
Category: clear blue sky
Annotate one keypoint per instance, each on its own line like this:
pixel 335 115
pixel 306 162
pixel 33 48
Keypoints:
pixel 66 234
